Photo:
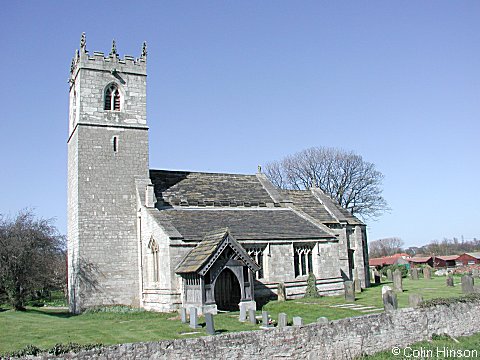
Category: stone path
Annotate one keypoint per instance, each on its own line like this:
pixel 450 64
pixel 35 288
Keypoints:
pixel 358 307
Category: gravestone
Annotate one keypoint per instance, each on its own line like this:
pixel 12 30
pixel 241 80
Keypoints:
pixel 349 291
pixel 377 277
pixel 414 273
pixel 358 285
pixel 210 325
pixel 427 273
pixel 467 284
pixel 397 281
pixel 194 318
pixel 449 280
pixel 414 300
pixel 281 292
pixel 386 288
pixel 389 275
pixel 183 315
pixel 243 312
pixel 251 316
pixel 475 273
pixel 390 301
pixel 265 320
pixel 322 320
pixel 282 320
pixel 297 321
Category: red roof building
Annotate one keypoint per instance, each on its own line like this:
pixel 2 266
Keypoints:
pixel 445 261
pixel 389 260
pixel 468 259
pixel 421 260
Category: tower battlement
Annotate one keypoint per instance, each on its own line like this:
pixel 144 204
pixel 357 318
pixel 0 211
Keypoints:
pixel 110 63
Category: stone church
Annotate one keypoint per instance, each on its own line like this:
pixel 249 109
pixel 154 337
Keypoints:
pixel 161 239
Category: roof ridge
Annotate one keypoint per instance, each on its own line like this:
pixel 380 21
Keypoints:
pixel 200 172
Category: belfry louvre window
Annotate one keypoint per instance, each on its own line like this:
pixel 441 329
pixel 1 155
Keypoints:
pixel 112 98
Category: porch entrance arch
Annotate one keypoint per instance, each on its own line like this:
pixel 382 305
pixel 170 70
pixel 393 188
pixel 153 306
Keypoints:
pixel 227 291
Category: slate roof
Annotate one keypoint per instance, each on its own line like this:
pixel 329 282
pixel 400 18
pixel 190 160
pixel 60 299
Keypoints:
pixel 309 204
pixel 190 204
pixel 208 189
pixel 244 224
pixel 339 212
pixel 199 256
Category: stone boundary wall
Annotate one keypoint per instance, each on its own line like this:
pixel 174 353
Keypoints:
pixel 339 339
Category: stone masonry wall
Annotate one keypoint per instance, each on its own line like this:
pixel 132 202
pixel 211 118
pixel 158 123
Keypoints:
pixel 107 151
pixel 340 339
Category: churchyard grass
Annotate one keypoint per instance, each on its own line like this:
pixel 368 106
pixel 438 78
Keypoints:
pixel 45 327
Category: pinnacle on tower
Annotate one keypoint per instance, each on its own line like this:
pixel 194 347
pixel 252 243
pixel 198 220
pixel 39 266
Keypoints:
pixel 113 52
pixel 83 43
pixel 144 50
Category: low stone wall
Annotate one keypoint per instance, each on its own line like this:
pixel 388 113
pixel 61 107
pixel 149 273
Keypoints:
pixel 340 339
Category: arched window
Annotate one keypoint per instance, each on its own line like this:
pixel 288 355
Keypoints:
pixel 153 246
pixel 112 98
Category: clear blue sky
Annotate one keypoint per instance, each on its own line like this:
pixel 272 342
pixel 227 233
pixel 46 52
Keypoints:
pixel 234 84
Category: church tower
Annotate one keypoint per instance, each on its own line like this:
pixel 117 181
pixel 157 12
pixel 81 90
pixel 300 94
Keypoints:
pixel 107 152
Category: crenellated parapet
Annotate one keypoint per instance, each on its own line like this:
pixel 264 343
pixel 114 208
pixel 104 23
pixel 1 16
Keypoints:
pixel 112 63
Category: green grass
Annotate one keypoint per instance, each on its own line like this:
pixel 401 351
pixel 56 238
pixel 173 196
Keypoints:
pixel 311 309
pixel 45 327
pixel 466 345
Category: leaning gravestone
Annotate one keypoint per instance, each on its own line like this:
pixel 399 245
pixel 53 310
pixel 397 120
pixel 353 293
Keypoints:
pixel 389 275
pixel 467 284
pixel 414 273
pixel 209 323
pixel 349 291
pixel 297 321
pixel 251 316
pixel 389 300
pixel 397 281
pixel 414 300
pixel 282 320
pixel 449 280
pixel 194 318
pixel 183 314
pixel 427 273
pixel 281 292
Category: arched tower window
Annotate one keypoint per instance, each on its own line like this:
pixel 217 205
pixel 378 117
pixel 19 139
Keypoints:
pixel 112 98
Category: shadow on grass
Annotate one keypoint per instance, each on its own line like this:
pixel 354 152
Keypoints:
pixel 64 314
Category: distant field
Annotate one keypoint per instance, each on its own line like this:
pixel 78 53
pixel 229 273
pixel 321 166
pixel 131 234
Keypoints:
pixel 44 327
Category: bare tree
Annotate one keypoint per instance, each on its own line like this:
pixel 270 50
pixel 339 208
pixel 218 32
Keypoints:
pixel 31 256
pixel 384 247
pixel 354 183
